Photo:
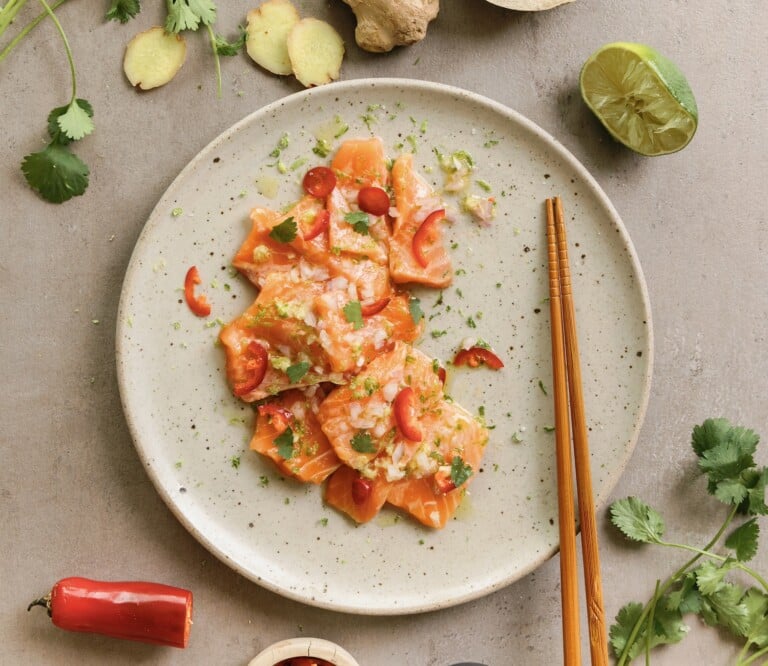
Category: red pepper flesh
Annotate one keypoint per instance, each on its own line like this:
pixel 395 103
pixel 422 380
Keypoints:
pixel 319 181
pixel 373 200
pixel 279 416
pixel 403 407
pixel 361 490
pixel 443 482
pixel 135 611
pixel 474 356
pixel 423 235
pixel 375 307
pixel 255 367
pixel 319 225
pixel 197 303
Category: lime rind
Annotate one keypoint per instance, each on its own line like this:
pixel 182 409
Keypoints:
pixel 641 97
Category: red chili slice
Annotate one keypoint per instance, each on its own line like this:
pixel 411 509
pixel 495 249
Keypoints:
pixel 279 416
pixel 136 611
pixel 319 225
pixel 255 368
pixel 424 234
pixel 373 200
pixel 319 181
pixel 443 482
pixel 197 303
pixel 375 307
pixel 361 490
pixel 474 356
pixel 441 375
pixel 405 418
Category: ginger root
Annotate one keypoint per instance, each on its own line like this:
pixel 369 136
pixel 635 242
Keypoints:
pixel 384 24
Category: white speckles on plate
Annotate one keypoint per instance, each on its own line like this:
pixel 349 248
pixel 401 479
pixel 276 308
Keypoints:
pixel 192 434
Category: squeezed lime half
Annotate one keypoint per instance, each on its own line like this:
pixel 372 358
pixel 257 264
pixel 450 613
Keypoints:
pixel 641 97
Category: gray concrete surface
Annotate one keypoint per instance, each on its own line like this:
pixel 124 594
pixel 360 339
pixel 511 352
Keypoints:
pixel 73 495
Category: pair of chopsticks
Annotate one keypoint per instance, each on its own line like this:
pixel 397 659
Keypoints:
pixel 569 413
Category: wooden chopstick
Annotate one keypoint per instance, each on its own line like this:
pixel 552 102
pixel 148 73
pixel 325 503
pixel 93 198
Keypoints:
pixel 556 233
pixel 569 587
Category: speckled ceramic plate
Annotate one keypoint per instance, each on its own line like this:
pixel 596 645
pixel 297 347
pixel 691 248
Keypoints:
pixel 192 434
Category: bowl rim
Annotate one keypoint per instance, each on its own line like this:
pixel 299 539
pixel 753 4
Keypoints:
pixel 303 647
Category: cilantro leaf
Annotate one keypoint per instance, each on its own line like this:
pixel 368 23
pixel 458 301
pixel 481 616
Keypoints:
pixel 668 628
pixel 756 604
pixel 414 307
pixel 56 173
pixel 362 443
pixel 189 14
pixel 686 598
pixel 76 121
pixel 353 313
pixel 460 471
pixel 728 609
pixel 754 481
pixel 296 371
pixel 284 232
pixel 284 444
pixel 709 434
pixel 743 540
pixel 54 129
pixel 226 48
pixel 637 520
pixel 123 10
pixel 359 221
pixel 626 619
pixel 710 576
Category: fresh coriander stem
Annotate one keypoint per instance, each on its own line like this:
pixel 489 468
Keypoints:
pixel 216 59
pixel 27 29
pixel 719 558
pixel 649 633
pixel 67 48
pixel 668 583
pixel 752 658
pixel 9 12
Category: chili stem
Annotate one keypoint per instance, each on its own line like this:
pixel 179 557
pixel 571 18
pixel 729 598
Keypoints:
pixel 26 30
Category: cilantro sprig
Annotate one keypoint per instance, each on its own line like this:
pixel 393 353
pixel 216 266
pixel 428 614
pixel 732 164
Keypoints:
pixel 701 586
pixel 54 172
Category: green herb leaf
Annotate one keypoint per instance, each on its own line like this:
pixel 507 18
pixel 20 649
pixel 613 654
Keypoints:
pixel 622 628
pixel 414 307
pixel 728 609
pixel 362 443
pixel 460 471
pixel 189 14
pixel 123 10
pixel 353 313
pixel 668 628
pixel 637 520
pixel 76 121
pixel 284 444
pixel 756 604
pixel 359 221
pixel 55 173
pixel 226 48
pixel 743 540
pixel 709 576
pixel 284 232
pixel 296 371
pixel 55 130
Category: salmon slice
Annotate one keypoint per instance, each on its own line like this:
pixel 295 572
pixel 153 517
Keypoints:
pixel 359 418
pixel 260 254
pixel 457 442
pixel 358 163
pixel 350 346
pixel 415 200
pixel 307 328
pixel 339 494
pixel 292 438
pixel 282 321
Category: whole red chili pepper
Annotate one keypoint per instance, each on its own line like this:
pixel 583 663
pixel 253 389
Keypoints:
pixel 136 611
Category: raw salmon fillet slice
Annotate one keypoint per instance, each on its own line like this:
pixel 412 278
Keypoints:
pixel 339 494
pixel 415 200
pixel 311 458
pixel 305 322
pixel 358 163
pixel 359 418
pixel 454 433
